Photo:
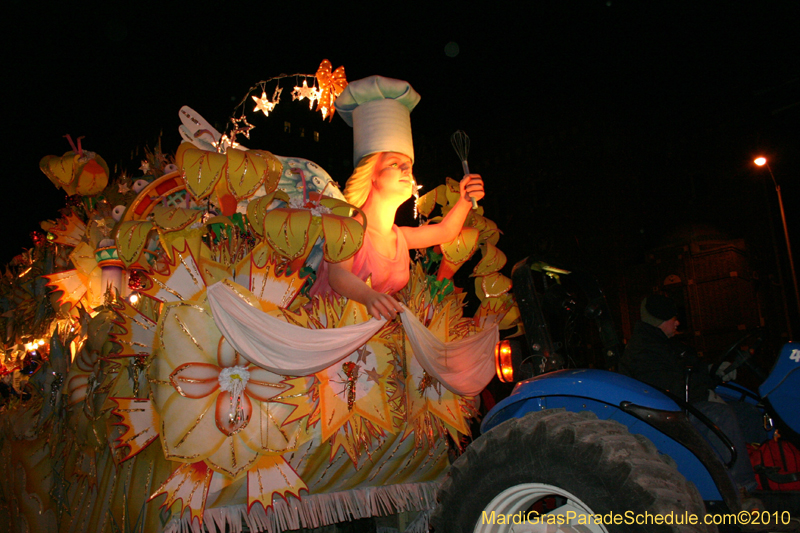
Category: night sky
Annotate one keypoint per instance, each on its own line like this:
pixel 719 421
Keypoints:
pixel 600 127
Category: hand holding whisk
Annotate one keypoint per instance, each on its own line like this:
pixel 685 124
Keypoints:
pixel 460 142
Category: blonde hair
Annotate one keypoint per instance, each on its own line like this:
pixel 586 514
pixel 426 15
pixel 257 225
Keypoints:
pixel 359 184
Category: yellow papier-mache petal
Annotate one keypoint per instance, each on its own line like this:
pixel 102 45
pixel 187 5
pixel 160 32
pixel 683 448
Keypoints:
pixel 489 231
pixel 512 317
pixel 174 218
pixel 244 173
pixel 257 210
pixel 60 170
pixel 499 309
pixel 339 207
pixel 427 202
pixel 492 285
pixel 187 238
pixel 274 169
pixel 441 194
pixel 131 240
pixel 288 230
pixel 462 247
pixel 492 261
pixel 202 170
pixel 343 237
pixel 182 149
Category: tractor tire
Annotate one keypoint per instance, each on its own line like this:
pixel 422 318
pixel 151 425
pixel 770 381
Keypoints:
pixel 574 462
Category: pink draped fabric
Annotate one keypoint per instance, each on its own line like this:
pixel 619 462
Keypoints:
pixel 464 366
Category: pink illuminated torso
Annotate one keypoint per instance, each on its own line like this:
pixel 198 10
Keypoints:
pixel 389 274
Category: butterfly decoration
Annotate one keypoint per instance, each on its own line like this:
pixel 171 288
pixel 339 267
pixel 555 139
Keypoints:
pixel 331 85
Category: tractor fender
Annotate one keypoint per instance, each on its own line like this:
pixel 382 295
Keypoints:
pixel 599 385
pixel 643 409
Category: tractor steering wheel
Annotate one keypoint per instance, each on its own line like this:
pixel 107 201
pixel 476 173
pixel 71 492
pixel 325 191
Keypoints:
pixel 738 357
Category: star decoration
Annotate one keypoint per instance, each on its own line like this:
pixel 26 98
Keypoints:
pixel 312 93
pixel 363 353
pixel 276 96
pixel 301 92
pixel 372 375
pixel 145 167
pixel 123 187
pixel 238 128
pixel 263 104
pixel 315 94
pixel 103 227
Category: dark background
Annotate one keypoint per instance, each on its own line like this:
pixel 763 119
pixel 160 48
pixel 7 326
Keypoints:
pixel 603 129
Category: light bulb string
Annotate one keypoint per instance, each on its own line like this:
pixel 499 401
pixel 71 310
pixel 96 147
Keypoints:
pixel 262 85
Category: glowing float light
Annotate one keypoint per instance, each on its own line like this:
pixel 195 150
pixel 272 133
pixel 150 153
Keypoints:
pixel 502 361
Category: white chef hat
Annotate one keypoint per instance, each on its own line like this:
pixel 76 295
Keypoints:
pixel 379 110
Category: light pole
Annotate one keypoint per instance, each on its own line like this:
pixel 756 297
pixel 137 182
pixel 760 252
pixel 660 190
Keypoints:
pixel 762 161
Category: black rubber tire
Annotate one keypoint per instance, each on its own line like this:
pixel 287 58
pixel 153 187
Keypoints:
pixel 598 461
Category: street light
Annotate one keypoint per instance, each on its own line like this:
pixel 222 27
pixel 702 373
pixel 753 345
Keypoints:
pixel 762 161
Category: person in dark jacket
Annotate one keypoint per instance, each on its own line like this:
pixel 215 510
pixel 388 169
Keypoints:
pixel 653 356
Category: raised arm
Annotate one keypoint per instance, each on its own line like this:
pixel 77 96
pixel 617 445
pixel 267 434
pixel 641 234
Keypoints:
pixel 447 230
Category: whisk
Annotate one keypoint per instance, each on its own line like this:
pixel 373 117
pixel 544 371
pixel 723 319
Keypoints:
pixel 460 142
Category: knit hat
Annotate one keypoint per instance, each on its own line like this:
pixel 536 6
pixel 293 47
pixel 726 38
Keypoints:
pixel 657 309
pixel 379 110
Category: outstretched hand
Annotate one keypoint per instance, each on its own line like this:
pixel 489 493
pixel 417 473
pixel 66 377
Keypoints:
pixel 471 186
pixel 382 305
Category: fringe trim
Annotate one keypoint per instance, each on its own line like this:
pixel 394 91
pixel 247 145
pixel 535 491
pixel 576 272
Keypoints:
pixel 316 510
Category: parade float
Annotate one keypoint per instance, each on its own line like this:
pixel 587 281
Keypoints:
pixel 139 401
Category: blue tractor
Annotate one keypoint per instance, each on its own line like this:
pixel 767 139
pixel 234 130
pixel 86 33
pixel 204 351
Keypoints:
pixel 583 450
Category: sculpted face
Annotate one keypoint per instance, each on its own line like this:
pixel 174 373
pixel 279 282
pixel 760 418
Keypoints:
pixel 393 177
